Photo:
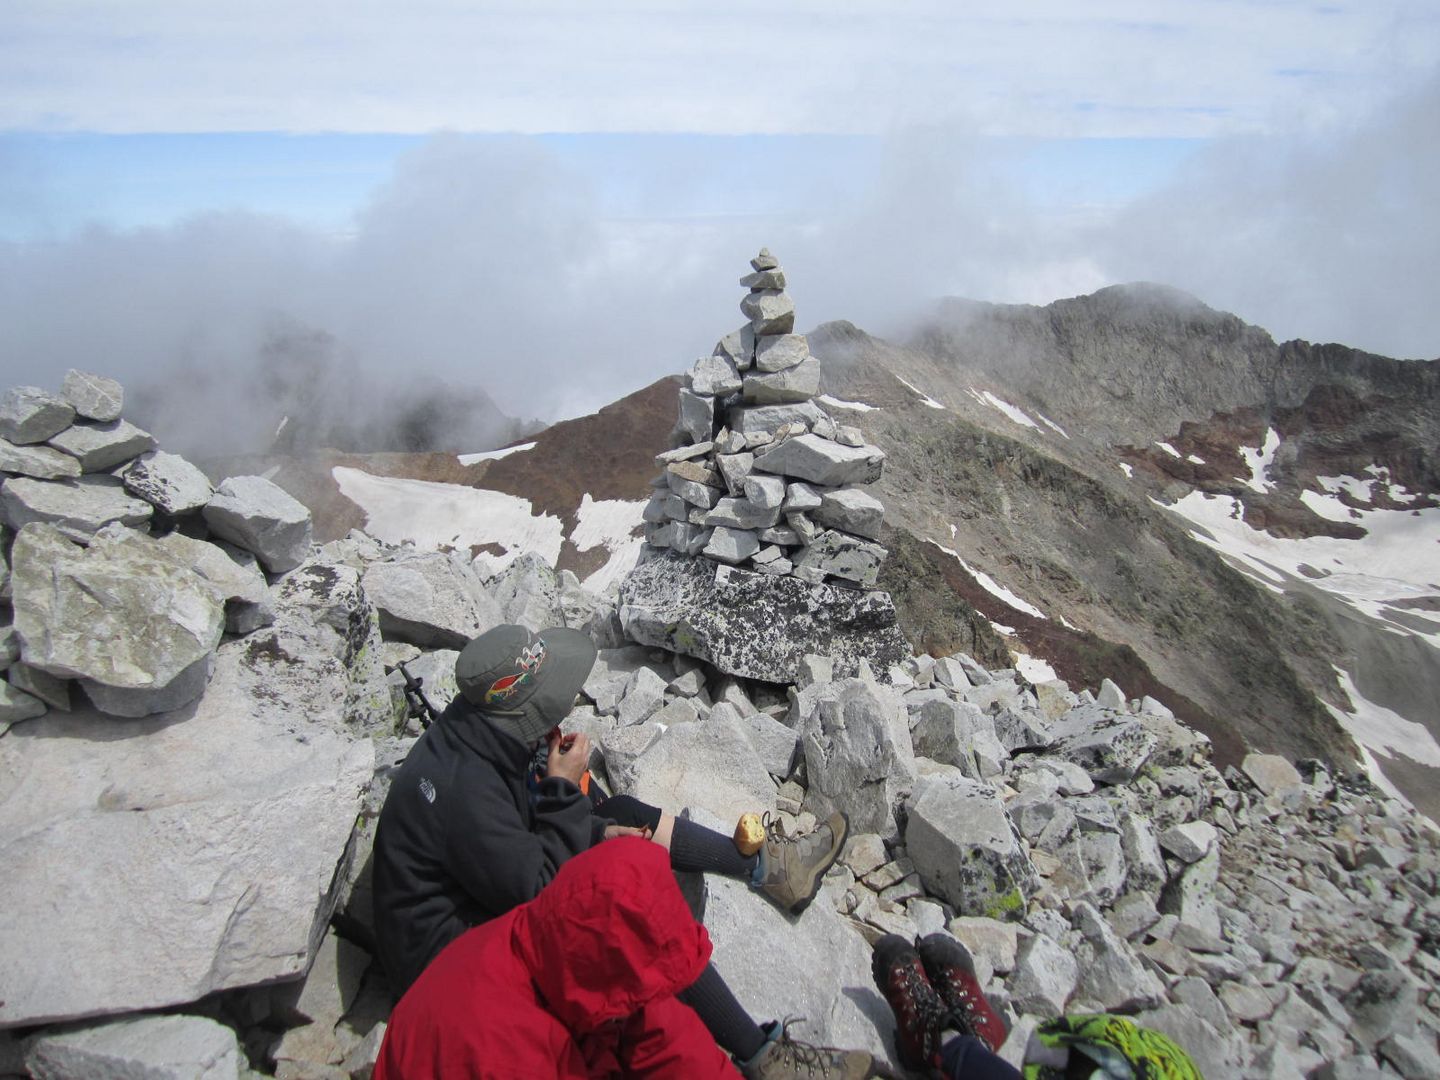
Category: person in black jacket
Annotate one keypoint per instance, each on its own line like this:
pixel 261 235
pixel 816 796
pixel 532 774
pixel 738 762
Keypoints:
pixel 469 832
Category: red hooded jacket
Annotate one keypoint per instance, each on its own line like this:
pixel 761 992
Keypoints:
pixel 579 982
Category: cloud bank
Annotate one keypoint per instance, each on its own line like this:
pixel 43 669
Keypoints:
pixel 489 264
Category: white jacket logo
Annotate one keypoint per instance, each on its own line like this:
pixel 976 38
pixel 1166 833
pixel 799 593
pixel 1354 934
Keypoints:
pixel 427 789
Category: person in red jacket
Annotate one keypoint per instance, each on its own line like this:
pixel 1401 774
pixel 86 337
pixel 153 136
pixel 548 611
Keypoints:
pixel 579 982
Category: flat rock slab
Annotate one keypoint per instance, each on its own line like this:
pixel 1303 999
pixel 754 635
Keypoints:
pixel 37 462
pixel 80 506
pixel 822 461
pixel 101 446
pixel 143 1048
pixel 211 838
pixel 758 626
pixel 168 482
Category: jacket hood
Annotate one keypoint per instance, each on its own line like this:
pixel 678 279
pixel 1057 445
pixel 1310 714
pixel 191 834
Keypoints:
pixel 609 934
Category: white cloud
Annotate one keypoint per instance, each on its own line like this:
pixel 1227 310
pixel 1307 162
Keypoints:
pixel 1123 67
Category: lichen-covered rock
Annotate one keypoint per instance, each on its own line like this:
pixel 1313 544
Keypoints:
pixel 168 482
pixel 262 517
pixel 966 850
pixel 1111 747
pixel 124 612
pixel 837 554
pixel 755 625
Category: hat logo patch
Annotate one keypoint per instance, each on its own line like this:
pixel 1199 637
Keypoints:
pixel 528 662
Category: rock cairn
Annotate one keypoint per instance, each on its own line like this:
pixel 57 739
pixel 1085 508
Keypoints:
pixel 125 566
pixel 761 476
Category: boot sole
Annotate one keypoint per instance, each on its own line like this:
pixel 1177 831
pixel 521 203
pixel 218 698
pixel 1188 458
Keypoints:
pixel 819 875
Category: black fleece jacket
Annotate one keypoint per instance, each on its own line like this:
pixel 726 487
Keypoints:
pixel 459 841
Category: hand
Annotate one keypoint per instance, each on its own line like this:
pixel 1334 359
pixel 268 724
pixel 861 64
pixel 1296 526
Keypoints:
pixel 612 831
pixel 569 757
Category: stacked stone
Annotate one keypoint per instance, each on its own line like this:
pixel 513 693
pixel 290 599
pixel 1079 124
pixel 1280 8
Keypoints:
pixel 762 477
pixel 122 565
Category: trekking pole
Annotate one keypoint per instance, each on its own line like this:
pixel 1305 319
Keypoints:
pixel 416 703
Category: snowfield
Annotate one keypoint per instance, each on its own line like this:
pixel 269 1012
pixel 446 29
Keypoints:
pixel 611 524
pixel 493 455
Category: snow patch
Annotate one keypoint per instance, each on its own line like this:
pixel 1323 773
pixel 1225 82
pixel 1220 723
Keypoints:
pixel 1001 628
pixel 925 398
pixel 993 587
pixel 1260 461
pixel 609 523
pixel 433 515
pixel 1013 412
pixel 1033 669
pixel 1195 459
pixel 1360 490
pixel 1127 469
pixel 493 455
pixel 1168 449
pixel 858 406
pixel 1051 424
pixel 1383 731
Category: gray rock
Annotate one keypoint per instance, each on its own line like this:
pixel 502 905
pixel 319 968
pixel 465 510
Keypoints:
pixel 37 462
pixel 1383 1003
pixel 733 513
pixel 168 482
pixel 754 625
pixel 1133 914
pixel 770 311
pixel 735 469
pixel 139 1048
pixel 966 850
pixel 738 346
pixel 53 691
pixel 995 942
pixel 1145 863
pixel 776 744
pixel 858 755
pixel 710 766
pixel 1111 748
pixel 765 492
pixel 765 261
pixel 1215 1053
pixel 644 694
pixel 809 457
pixel 1189 842
pixel 527 591
pixel 78 507
pixel 731 545
pixel 838 554
pixel 262 517
pixel 180 691
pixel 1246 1004
pixel 851 510
pixel 319 1002
pixel 124 612
pixel 433 600
pixel 93 397
pixel 1045 977
pixel 16 705
pixel 436 670
pixel 218 871
pixel 772 278
pixel 780 352
pixel 100 447
pixel 1270 772
pixel 1110 696
pixel 798 383
pixel 755 420
pixel 713 376
pixel 955 733
pixel 1191 896
pixel 235 574
pixel 1110 973
pixel 697 416
pixel 31 415
pixel 1412 1055
pixel 695 492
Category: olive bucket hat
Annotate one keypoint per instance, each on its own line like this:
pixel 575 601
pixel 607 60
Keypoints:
pixel 525 682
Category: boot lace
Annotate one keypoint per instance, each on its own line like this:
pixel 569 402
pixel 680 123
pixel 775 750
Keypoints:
pixel 815 1060
pixel 926 1011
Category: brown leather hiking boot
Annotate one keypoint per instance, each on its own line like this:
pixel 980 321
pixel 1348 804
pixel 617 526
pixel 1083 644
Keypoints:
pixel 791 866
pixel 952 974
pixel 784 1058
pixel 919 1012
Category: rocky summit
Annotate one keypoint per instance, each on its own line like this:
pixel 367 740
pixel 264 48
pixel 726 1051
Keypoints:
pixel 202 704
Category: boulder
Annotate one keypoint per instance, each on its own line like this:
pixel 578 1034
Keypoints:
pixel 697 416
pixel 168 482
pixel 93 397
pixel 1191 896
pixel 262 517
pixel 142 1047
pixel 776 744
pixel 779 352
pixel 1045 977
pixel 53 691
pixel 145 701
pixel 821 461
pixel 741 513
pixel 731 545
pixel 234 573
pixel 714 376
pixel 770 311
pixel 956 733
pixel 738 347
pixel 756 625
pixel 735 469
pixel 710 766
pixel 644 694
pixel 37 462
pixel 1189 842
pixel 966 849
pixel 767 419
pixel 1111 747
pixel 765 492
pixel 838 554
pixel 31 415
pixel 528 591
pixel 123 613
pixel 798 383
pixel 99 447
pixel 434 600
pixel 78 507
pixel 851 510
pixel 858 755
pixel 1110 972
pixel 1270 772
pixel 211 839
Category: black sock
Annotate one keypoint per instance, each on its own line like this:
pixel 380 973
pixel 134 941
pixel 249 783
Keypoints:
pixel 737 1034
pixel 694 847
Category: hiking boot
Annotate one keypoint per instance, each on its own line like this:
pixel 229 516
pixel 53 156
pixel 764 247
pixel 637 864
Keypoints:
pixel 952 974
pixel 919 1012
pixel 791 867
pixel 784 1058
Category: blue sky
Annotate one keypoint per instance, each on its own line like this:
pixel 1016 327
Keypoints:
pixel 415 180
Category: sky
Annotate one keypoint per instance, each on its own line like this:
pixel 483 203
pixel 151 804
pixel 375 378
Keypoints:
pixel 553 201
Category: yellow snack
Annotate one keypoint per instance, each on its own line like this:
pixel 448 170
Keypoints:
pixel 749 834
